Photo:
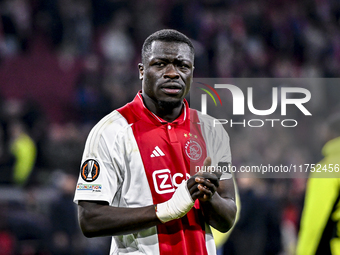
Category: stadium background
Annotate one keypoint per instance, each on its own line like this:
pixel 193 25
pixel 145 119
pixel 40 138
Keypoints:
pixel 66 63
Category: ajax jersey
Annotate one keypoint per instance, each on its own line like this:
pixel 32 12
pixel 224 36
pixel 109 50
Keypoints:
pixel 133 158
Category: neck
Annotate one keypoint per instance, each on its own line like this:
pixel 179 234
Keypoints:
pixel 168 111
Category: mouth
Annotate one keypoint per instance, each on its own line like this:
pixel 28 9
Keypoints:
pixel 172 88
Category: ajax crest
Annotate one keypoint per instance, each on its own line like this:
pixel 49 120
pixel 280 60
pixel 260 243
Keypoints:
pixel 193 150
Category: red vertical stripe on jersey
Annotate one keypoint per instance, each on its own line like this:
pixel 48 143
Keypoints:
pixel 166 172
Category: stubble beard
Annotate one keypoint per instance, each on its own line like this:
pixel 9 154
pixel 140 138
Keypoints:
pixel 169 105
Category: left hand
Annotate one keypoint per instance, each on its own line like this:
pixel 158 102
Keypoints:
pixel 208 181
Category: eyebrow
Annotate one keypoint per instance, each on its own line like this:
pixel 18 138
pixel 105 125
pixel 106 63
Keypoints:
pixel 166 59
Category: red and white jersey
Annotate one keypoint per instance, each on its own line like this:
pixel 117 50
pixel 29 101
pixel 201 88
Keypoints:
pixel 133 158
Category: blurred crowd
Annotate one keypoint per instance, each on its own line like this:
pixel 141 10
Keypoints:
pixel 64 64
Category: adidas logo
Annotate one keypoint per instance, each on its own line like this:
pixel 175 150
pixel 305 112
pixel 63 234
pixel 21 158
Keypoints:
pixel 157 152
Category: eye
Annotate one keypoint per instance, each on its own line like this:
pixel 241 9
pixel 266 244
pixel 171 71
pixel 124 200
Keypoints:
pixel 159 64
pixel 184 66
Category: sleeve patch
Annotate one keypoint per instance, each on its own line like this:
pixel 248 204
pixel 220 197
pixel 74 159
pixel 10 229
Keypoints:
pixel 90 170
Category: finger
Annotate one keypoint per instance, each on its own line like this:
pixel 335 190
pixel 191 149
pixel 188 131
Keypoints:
pixel 207 162
pixel 191 182
pixel 193 189
pixel 207 176
pixel 200 191
pixel 206 193
pixel 204 198
pixel 205 167
pixel 197 194
pixel 209 169
pixel 205 189
pixel 207 186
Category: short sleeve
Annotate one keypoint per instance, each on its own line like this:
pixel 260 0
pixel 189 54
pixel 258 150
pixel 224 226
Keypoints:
pixel 217 143
pixel 99 177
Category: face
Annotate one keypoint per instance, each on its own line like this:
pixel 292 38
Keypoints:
pixel 167 73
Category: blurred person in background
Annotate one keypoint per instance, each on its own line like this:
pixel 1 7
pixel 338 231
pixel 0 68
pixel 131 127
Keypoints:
pixel 15 27
pixel 91 101
pixel 320 222
pixel 62 148
pixel 257 231
pixel 20 144
pixel 77 29
pixel 24 150
pixel 63 216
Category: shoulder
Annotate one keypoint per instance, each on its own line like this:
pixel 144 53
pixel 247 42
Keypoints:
pixel 209 123
pixel 110 125
pixel 106 135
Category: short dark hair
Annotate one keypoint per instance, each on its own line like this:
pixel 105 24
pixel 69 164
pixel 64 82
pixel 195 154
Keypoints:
pixel 165 35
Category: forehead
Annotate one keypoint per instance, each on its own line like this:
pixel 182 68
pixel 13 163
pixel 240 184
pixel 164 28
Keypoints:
pixel 179 50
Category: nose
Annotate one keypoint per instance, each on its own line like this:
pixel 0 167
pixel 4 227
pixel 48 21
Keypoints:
pixel 171 72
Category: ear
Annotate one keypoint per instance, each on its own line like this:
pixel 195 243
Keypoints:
pixel 141 71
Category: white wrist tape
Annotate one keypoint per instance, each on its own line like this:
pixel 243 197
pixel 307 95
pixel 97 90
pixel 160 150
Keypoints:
pixel 177 206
